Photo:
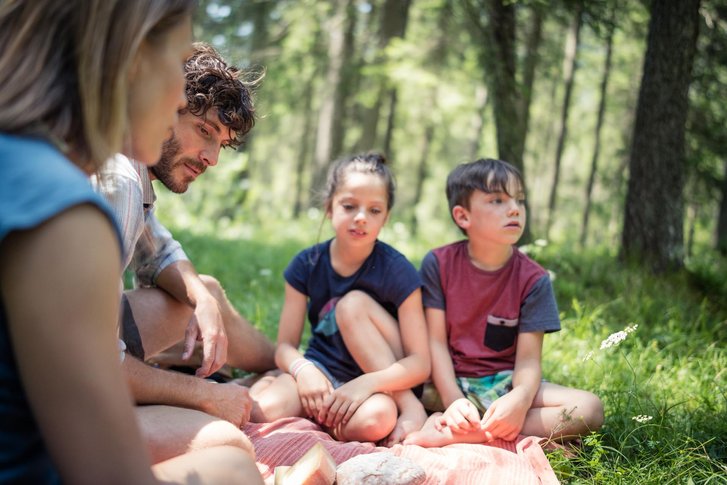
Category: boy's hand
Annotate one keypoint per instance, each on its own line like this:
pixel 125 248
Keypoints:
pixel 339 406
pixel 313 388
pixel 461 417
pixel 505 418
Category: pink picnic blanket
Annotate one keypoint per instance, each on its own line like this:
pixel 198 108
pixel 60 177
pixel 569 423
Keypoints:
pixel 520 462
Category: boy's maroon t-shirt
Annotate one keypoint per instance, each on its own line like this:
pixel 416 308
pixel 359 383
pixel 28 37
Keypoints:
pixel 485 310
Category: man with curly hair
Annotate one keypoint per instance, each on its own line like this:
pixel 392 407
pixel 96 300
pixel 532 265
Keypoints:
pixel 171 302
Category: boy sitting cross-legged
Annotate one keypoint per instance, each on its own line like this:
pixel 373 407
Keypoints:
pixel 487 307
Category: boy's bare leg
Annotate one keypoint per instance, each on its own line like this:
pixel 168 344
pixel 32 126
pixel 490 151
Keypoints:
pixel 214 466
pixel 557 412
pixel 430 436
pixel 563 413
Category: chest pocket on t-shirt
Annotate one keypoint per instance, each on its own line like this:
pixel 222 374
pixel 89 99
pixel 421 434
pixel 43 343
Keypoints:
pixel 500 332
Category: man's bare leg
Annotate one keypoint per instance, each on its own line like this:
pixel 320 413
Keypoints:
pixel 170 431
pixel 162 321
pixel 215 466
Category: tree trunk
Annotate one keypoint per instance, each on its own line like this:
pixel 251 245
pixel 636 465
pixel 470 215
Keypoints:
pixel 599 125
pixel 478 121
pixel 343 90
pixel 569 74
pixel 654 213
pixel 495 35
pixel 390 122
pixel 438 56
pixel 304 148
pixel 421 173
pixel 530 62
pixel 503 83
pixel 722 222
pixel 330 120
pixel 692 217
pixel 393 20
pixel 260 14
pixel 403 13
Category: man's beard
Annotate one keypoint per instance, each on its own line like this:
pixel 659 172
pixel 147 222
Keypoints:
pixel 163 170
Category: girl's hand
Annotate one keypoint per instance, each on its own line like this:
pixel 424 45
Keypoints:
pixel 461 417
pixel 505 418
pixel 313 388
pixel 340 405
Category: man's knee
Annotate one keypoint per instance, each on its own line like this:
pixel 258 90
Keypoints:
pixel 221 464
pixel 223 433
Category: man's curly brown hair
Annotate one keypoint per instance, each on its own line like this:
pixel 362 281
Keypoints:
pixel 212 83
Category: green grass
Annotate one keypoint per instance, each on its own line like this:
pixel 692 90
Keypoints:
pixel 672 368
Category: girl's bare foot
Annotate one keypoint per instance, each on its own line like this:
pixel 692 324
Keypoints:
pixel 411 419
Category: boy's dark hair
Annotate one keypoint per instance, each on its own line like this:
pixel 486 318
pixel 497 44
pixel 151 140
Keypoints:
pixel 486 174
pixel 212 83
pixel 374 163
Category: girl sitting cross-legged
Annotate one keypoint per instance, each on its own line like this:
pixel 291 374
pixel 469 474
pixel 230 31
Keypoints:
pixel 368 345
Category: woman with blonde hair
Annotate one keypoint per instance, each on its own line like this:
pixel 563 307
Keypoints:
pixel 81 79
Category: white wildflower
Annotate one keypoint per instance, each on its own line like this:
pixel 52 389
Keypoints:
pixel 266 272
pixel 540 243
pixel 642 418
pixel 613 340
pixel 616 338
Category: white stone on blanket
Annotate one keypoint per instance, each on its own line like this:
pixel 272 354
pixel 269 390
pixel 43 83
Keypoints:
pixel 379 469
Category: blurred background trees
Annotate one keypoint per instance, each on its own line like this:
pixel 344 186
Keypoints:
pixel 614 109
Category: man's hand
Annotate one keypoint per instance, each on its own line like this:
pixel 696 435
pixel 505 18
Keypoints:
pixel 340 405
pixel 505 417
pixel 207 325
pixel 230 402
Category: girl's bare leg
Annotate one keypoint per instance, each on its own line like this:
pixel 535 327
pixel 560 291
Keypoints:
pixel 372 421
pixel 274 400
pixel 373 338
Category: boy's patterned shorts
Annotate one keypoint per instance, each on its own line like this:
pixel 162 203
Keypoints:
pixel 481 391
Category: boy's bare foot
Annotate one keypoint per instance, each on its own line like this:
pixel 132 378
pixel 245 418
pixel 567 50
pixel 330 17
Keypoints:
pixel 429 435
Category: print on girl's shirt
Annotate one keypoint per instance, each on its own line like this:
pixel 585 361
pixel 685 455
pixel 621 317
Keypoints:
pixel 327 318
